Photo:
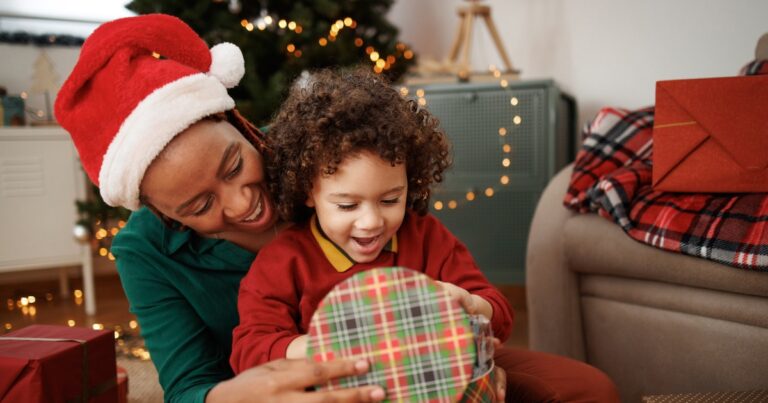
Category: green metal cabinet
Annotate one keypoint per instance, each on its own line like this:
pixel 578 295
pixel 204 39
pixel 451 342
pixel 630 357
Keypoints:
pixel 480 119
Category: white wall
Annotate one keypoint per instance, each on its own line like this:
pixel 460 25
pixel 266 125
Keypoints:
pixel 604 52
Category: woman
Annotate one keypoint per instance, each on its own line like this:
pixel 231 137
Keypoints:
pixel 148 110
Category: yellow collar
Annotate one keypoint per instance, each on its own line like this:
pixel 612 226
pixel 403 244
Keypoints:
pixel 335 255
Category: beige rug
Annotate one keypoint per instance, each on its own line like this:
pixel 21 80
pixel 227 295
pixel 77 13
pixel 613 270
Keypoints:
pixel 143 385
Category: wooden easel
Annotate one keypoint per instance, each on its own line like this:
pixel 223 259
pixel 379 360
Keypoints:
pixel 467 15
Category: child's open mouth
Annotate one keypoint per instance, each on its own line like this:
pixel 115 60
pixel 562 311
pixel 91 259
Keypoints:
pixel 367 245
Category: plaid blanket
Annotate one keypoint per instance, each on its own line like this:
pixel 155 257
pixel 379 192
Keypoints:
pixel 612 177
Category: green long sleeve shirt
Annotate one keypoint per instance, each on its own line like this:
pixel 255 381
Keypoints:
pixel 183 290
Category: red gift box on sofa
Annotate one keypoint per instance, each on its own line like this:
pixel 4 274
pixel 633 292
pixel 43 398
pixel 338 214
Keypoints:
pixel 711 135
pixel 43 363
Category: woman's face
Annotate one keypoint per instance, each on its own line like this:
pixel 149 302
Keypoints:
pixel 210 179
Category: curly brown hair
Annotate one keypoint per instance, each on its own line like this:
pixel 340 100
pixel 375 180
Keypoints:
pixel 334 114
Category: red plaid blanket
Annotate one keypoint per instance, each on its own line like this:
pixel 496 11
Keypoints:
pixel 612 177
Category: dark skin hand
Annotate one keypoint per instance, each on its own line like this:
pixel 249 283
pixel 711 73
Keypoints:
pixel 286 380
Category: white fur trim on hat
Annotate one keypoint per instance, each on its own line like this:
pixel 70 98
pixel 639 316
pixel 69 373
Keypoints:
pixel 152 124
pixel 227 64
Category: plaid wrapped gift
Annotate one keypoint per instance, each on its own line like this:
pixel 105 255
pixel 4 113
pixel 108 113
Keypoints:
pixel 418 340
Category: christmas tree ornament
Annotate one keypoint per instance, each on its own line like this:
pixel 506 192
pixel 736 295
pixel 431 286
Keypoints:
pixel 418 340
pixel 81 233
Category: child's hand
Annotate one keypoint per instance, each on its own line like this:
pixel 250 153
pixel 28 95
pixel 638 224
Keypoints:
pixel 297 348
pixel 473 304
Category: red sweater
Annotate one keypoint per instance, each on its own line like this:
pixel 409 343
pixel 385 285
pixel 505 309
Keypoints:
pixel 293 273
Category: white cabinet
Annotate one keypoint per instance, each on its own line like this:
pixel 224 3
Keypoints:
pixel 40 179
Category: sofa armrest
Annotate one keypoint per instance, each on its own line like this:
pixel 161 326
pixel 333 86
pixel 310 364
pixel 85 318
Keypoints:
pixel 552 289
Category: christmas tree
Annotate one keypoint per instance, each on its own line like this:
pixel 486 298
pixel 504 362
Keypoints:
pixel 44 80
pixel 281 39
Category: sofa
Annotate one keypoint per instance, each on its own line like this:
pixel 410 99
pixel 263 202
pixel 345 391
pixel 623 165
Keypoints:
pixel 656 322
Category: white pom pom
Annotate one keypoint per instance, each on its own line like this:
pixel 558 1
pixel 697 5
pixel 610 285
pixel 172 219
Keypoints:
pixel 227 64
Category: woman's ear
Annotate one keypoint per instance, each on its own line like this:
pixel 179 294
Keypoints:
pixel 310 202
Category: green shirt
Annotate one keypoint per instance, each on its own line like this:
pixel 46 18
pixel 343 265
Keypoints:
pixel 183 290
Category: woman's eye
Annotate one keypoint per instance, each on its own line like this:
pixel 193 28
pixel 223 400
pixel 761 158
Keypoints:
pixel 236 170
pixel 391 201
pixel 205 208
pixel 347 206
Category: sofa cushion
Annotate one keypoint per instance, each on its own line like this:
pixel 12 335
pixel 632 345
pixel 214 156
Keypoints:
pixel 597 246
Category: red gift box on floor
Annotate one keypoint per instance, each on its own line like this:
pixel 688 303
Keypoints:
pixel 711 135
pixel 43 363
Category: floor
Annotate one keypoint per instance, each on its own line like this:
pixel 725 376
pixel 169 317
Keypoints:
pixel 39 302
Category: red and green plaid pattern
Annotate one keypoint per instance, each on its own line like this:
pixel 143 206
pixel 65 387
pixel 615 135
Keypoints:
pixel 481 390
pixel 418 341
pixel 612 177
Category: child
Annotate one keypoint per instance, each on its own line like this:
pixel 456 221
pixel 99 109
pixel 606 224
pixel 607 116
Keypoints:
pixel 353 165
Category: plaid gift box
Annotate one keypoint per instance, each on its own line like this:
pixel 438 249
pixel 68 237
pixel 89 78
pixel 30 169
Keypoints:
pixel 43 363
pixel 418 340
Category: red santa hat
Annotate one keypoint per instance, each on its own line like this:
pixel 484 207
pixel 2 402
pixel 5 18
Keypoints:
pixel 138 83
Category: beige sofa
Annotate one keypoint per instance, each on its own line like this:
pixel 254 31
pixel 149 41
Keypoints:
pixel 656 322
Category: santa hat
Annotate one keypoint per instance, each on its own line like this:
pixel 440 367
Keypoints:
pixel 139 82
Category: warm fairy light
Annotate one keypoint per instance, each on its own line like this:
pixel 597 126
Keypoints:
pixel 282 24
pixel 145 355
pixel 339 24
pixel 489 192
pixel 438 205
pixel 514 101
pixel 297 53
pixel 31 299
pixel 507 148
pixel 502 131
pixel 114 231
pixel 121 224
pixel 23 95
pixel 261 25
pixel 298 28
pixel 117 335
pixel 48 297
pixel 40 113
pixel 504 84
pixel 391 59
pixel 249 27
pixel 408 54
pixel 452 204
pixel 517 120
pixel 422 101
pixel 505 162
pixel 32 311
pixel 470 196
pixel 98 326
pixel 244 22
pixel 377 69
pixel 348 22
pixel 103 251
pixel 369 50
pixel 332 37
pixel 132 324
pixel 25 310
pixel 504 179
pixel 24 301
pixel 358 42
pixel 290 48
pixel 8 326
pixel 110 256
pixel 71 323
pixel 268 20
pixel 404 91
pixel 374 56
pixel 400 46
pixel 322 41
pixel 496 74
pixel 78 294
pixel 420 93
pixel 380 63
pixel 292 26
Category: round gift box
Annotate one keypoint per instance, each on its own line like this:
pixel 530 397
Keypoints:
pixel 418 340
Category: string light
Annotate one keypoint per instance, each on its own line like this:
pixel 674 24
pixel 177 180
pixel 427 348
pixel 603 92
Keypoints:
pixel 506 148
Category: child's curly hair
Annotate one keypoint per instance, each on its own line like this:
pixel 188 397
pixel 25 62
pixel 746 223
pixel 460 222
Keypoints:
pixel 333 114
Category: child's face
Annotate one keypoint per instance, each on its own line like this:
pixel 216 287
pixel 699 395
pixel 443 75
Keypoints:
pixel 361 206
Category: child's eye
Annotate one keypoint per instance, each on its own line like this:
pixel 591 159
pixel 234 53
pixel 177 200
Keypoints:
pixel 236 170
pixel 346 206
pixel 391 201
pixel 205 208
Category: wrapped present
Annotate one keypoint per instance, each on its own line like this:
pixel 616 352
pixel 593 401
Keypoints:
pixel 710 135
pixel 419 341
pixel 43 363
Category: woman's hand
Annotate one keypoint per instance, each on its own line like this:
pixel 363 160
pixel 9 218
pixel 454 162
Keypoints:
pixel 473 304
pixel 286 380
pixel 500 384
